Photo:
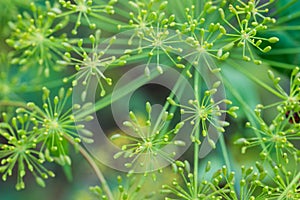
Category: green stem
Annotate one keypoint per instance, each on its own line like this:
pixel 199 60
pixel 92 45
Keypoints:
pixel 94 166
pixel 286 6
pixel 196 161
pixel 246 108
pixel 122 12
pixel 174 89
pixel 197 137
pixel 288 18
pixel 34 87
pixel 12 103
pixel 283 28
pixel 277 64
pixel 124 90
pixel 107 19
pixel 255 79
pixel 284 51
pixel 225 152
pixel 172 109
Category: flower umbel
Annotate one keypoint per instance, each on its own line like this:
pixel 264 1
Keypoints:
pixel 247 28
pixel 203 36
pixel 91 66
pixel 21 150
pixel 84 9
pixel 277 136
pixel 129 187
pixel 208 188
pixel 34 38
pixel 285 183
pixel 290 104
pixel 145 147
pixel 205 111
pixel 151 34
pixel 220 185
pixel 56 121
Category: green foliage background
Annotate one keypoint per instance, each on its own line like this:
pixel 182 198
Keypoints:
pixel 23 80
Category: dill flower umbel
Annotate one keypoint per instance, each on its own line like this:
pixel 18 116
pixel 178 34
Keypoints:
pixel 204 112
pixel 57 122
pixel 203 36
pixel 216 185
pixel 245 34
pixel 34 37
pixel 284 183
pixel 189 188
pixel 146 148
pixel 290 104
pixel 20 153
pixel 91 65
pixel 278 135
pixel 84 9
pixel 151 34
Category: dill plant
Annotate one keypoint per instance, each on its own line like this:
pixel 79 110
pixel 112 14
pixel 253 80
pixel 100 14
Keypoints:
pixel 226 51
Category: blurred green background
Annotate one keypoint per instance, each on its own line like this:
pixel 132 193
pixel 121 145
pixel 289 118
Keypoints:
pixel 74 183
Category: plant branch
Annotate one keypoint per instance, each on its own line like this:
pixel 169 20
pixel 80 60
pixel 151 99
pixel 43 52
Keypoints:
pixel 283 28
pixel 197 137
pixel 247 110
pixel 124 90
pixel 94 166
pixel 255 79
pixel 279 64
pixel 283 8
pixel 225 152
pixel 284 51
pixel 288 18
pixel 13 103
